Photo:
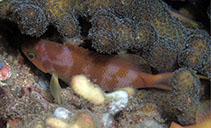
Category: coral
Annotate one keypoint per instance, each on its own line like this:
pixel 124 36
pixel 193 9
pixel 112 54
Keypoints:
pixel 145 35
pixel 83 120
pixel 56 122
pixel 162 55
pixel 196 55
pixel 157 13
pixel 185 95
pixel 203 117
pixel 109 33
pixel 33 17
pixel 116 26
pixel 117 100
pixel 181 102
pixel 83 87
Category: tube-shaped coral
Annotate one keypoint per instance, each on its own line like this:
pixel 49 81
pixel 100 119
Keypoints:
pixel 162 55
pixel 83 87
pixel 31 19
pixel 109 33
pixel 197 53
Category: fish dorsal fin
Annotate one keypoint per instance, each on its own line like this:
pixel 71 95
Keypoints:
pixel 137 62
pixel 76 48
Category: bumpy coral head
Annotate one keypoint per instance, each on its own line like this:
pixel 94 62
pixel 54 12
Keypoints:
pixel 31 19
pixel 34 50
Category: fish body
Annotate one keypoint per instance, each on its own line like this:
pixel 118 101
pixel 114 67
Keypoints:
pixel 108 71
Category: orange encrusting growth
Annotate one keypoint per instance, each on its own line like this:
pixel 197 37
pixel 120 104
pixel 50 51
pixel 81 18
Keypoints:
pixel 109 71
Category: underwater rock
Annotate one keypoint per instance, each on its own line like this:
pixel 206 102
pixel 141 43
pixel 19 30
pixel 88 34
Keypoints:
pixel 5 71
pixel 62 113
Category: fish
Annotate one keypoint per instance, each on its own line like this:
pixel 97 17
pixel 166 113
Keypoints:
pixel 110 72
pixel 183 17
pixel 55 89
pixel 203 117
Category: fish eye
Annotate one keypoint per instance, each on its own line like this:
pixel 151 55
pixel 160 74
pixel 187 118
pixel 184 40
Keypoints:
pixel 31 55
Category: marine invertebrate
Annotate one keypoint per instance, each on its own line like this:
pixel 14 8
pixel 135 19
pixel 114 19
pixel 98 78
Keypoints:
pixel 33 17
pixel 182 101
pixel 162 54
pixel 157 13
pixel 203 117
pixel 196 55
pixel 83 87
pixel 109 33
pixel 82 119
pixel 144 35
pixel 56 122
pixel 110 72
pixel 185 95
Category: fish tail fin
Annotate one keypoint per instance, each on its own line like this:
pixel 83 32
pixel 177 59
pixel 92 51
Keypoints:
pixel 160 81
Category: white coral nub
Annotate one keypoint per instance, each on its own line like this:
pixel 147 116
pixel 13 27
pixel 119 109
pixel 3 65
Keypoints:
pixel 83 87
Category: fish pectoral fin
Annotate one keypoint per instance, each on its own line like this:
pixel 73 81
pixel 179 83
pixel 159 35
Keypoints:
pixel 55 89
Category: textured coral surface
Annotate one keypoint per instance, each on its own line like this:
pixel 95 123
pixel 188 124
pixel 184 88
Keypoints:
pixel 146 28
